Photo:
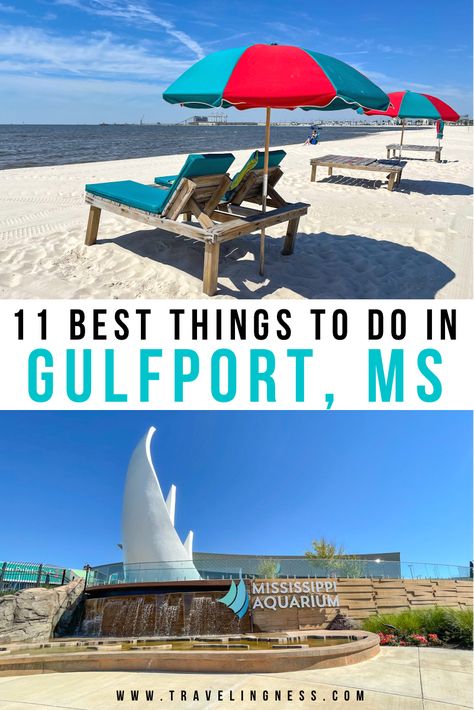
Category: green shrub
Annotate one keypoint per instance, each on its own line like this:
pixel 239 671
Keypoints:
pixel 433 620
pixel 407 622
pixel 459 631
pixel 453 626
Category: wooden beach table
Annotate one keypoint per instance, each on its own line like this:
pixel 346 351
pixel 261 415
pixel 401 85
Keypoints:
pixel 392 169
pixel 421 148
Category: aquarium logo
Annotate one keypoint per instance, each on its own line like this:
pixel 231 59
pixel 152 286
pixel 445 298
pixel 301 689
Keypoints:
pixel 237 598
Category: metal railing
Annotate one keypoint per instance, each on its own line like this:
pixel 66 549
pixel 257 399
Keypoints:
pixel 15 576
pixel 266 568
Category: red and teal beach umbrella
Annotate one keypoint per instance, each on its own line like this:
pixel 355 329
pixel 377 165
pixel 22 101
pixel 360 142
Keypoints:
pixel 410 104
pixel 274 76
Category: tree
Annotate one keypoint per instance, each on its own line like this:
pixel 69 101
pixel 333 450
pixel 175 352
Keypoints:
pixel 268 569
pixel 324 550
pixel 335 559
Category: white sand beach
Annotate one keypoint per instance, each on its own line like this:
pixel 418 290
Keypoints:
pixel 358 240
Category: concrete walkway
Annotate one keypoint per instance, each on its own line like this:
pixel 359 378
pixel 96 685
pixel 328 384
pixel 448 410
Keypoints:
pixel 397 679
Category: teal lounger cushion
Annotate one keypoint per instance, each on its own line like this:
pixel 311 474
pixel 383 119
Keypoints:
pixel 165 180
pixel 154 199
pixel 274 159
pixel 133 194
pixel 198 164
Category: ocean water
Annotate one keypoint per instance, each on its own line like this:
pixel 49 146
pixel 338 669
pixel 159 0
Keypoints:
pixel 29 145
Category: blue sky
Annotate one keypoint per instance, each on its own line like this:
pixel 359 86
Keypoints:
pixel 261 482
pixel 87 61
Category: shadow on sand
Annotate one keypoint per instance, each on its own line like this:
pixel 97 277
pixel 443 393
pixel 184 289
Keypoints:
pixel 374 184
pixel 423 187
pixel 433 187
pixel 322 266
pixel 410 158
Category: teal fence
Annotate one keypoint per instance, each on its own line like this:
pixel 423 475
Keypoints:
pixel 21 575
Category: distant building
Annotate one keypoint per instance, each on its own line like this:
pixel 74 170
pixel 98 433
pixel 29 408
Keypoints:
pixel 214 119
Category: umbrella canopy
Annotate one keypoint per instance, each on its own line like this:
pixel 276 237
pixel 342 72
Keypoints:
pixel 410 104
pixel 273 76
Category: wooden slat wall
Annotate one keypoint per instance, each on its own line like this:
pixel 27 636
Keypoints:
pixel 360 598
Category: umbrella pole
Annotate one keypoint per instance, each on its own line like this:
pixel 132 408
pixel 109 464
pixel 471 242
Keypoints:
pixel 264 190
pixel 401 138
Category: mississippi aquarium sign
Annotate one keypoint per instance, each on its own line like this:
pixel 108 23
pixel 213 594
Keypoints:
pixel 309 594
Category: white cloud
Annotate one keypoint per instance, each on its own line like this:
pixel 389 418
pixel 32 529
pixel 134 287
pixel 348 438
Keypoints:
pixel 456 93
pixel 375 47
pixel 226 40
pixel 137 14
pixel 464 48
pixel 415 86
pixel 396 84
pixel 27 50
pixel 348 54
pixel 389 49
pixel 79 100
pixel 11 9
pixel 69 87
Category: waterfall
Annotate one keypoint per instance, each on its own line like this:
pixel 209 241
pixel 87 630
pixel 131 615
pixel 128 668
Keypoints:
pixel 167 614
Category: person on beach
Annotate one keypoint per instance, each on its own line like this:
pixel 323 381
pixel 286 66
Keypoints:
pixel 313 138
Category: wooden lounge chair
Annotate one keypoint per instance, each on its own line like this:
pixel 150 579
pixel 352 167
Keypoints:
pixel 420 148
pixel 249 188
pixel 254 162
pixel 197 192
pixel 393 169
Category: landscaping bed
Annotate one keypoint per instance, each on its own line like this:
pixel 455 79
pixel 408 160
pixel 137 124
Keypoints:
pixel 431 626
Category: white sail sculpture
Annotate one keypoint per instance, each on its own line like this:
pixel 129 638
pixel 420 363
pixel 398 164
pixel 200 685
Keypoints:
pixel 152 549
